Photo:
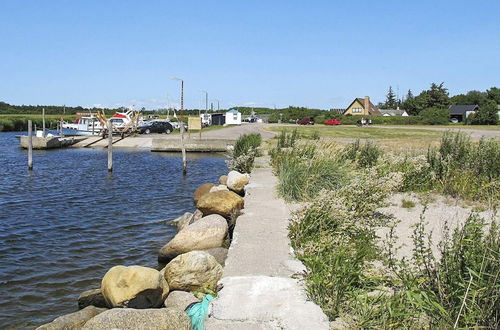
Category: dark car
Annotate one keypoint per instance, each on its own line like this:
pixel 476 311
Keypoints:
pixel 306 121
pixel 156 127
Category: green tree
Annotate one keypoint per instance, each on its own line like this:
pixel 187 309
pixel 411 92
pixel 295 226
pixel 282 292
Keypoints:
pixel 494 94
pixel 390 99
pixel 410 104
pixel 435 97
pixel 486 115
pixel 435 116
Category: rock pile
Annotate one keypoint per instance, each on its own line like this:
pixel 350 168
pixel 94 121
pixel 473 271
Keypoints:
pixel 136 297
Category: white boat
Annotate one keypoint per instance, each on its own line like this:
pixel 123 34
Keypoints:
pixel 83 126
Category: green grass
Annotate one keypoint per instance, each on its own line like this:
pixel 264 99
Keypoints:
pixel 352 132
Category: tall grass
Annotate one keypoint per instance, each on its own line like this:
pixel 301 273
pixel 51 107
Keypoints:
pixel 246 148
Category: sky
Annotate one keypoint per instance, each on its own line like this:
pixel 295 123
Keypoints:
pixel 317 54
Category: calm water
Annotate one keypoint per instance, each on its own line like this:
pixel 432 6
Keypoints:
pixel 63 225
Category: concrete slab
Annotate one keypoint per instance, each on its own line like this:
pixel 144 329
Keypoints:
pixel 267 300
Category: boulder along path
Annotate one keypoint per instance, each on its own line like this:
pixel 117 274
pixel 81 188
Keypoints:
pixel 259 291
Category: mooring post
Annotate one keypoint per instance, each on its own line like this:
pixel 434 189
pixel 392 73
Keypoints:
pixel 30 146
pixel 110 146
pixel 184 163
pixel 43 122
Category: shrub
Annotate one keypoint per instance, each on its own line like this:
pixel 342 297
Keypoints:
pixel 435 116
pixel 243 155
pixel 364 156
pixel 486 115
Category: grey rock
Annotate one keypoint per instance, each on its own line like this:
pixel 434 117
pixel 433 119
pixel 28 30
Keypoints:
pixel 144 319
pixel 220 254
pixel 180 300
pixel 91 298
pixel 74 320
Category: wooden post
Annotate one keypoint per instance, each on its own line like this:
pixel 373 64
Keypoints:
pixel 184 163
pixel 43 122
pixel 110 146
pixel 30 146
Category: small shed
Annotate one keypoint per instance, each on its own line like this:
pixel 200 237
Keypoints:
pixel 233 117
pixel 218 118
pixel 461 112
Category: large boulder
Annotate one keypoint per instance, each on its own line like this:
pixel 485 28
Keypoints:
pixel 219 253
pixel 91 298
pixel 237 181
pixel 192 271
pixel 219 188
pixel 202 190
pixel 220 202
pixel 180 300
pixel 74 320
pixel 134 287
pixel 144 319
pixel 208 232
pixel 223 179
pixel 183 218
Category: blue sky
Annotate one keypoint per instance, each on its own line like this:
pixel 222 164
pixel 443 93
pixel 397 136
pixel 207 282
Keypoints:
pixel 262 53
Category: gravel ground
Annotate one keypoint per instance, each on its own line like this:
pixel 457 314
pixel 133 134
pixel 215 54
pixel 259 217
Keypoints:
pixel 439 212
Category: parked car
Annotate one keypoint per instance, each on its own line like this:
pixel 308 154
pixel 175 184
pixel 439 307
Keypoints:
pixel 156 127
pixel 306 121
pixel 332 122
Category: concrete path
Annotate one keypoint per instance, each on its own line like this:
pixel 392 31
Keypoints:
pixel 259 291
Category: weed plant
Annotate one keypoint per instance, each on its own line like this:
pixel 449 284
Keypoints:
pixel 246 148
pixel 364 155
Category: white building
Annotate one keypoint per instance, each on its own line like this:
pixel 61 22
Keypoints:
pixel 233 117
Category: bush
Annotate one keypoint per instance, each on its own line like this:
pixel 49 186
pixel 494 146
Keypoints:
pixel 486 115
pixel 243 155
pixel 364 156
pixel 435 116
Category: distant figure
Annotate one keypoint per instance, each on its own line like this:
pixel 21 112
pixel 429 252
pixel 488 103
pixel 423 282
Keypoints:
pixel 369 121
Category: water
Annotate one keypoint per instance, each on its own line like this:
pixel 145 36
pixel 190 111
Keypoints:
pixel 63 225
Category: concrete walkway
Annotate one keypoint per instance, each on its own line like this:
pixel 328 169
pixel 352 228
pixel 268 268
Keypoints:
pixel 259 291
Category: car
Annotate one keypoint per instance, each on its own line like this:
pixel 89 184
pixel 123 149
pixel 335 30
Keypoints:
pixel 306 121
pixel 156 127
pixel 332 122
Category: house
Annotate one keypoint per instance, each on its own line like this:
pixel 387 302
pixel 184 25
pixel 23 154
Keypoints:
pixel 362 107
pixel 233 117
pixel 461 112
pixel 393 112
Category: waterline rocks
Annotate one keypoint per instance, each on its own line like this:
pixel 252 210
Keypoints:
pixel 134 287
pixel 144 319
pixel 208 232
pixel 223 179
pixel 180 300
pixel 237 181
pixel 202 190
pixel 74 320
pixel 192 271
pixel 219 188
pixel 220 202
pixel 91 298
pixel 220 254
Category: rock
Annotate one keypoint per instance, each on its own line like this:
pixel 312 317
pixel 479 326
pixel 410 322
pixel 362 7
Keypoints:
pixel 202 190
pixel 237 181
pixel 221 187
pixel 223 180
pixel 74 320
pixel 180 300
pixel 220 202
pixel 183 218
pixel 91 298
pixel 144 319
pixel 197 215
pixel 192 271
pixel 220 254
pixel 134 287
pixel 208 232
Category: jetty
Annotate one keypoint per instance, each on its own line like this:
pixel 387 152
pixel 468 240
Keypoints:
pixel 50 142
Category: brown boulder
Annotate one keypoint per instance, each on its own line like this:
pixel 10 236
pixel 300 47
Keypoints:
pixel 91 298
pixel 202 190
pixel 220 202
pixel 74 320
pixel 223 180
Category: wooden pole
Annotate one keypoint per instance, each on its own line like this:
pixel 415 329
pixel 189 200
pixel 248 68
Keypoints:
pixel 110 146
pixel 184 162
pixel 30 146
pixel 43 122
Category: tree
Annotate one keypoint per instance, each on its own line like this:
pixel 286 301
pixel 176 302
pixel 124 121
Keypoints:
pixel 494 94
pixel 435 97
pixel 486 115
pixel 409 104
pixel 435 116
pixel 390 99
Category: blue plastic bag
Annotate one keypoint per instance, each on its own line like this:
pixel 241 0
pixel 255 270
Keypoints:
pixel 197 313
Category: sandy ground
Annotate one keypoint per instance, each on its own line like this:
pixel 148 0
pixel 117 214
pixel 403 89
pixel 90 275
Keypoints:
pixel 439 213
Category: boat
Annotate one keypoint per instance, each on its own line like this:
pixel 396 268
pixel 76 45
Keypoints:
pixel 83 126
